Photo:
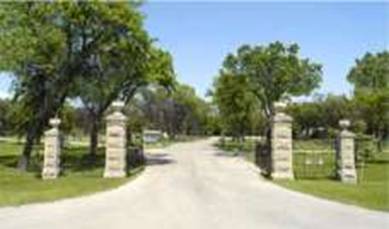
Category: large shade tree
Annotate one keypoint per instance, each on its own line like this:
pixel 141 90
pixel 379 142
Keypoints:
pixel 274 72
pixel 370 77
pixel 122 61
pixel 122 82
pixel 55 48
pixel 38 47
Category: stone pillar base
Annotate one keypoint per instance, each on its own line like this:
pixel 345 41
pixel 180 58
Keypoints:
pixel 348 176
pixel 114 174
pixel 49 174
pixel 280 176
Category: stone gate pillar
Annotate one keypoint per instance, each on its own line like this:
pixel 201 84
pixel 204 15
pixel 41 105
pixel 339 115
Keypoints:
pixel 345 158
pixel 281 144
pixel 52 151
pixel 116 143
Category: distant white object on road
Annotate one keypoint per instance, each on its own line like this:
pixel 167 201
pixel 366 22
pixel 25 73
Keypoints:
pixel 152 136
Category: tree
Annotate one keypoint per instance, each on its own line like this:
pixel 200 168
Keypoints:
pixel 370 77
pixel 54 47
pixel 5 117
pixel 371 72
pixel 307 117
pixel 322 114
pixel 122 61
pixel 175 111
pixel 236 104
pixel 274 72
pixel 36 49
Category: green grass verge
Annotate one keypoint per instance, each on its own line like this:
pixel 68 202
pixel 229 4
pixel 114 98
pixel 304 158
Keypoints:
pixel 372 190
pixel 79 177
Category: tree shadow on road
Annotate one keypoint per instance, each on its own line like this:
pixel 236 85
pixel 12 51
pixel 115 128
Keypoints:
pixel 158 159
pixel 226 154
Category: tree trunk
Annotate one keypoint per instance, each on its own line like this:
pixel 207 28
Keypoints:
pixel 24 159
pixel 94 136
pixel 268 135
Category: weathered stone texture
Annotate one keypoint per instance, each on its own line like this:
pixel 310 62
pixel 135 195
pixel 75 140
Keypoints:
pixel 52 151
pixel 281 149
pixel 346 170
pixel 116 142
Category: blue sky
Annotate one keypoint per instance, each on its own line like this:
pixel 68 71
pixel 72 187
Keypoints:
pixel 199 35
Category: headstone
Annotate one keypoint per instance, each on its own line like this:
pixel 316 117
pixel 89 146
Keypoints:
pixel 116 143
pixel 345 154
pixel 52 151
pixel 281 144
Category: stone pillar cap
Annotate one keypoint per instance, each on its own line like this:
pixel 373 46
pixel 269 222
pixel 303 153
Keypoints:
pixel 54 122
pixel 117 105
pixel 279 106
pixel 344 123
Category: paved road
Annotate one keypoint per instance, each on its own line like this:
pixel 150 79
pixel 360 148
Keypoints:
pixel 192 185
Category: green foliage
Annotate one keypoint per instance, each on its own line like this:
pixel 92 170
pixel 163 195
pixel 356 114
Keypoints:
pixel 67 116
pixel 366 148
pixel 321 116
pixel 274 72
pixel 175 111
pixel 370 77
pixel 237 105
pixel 190 109
pixel 34 49
pixel 5 117
pixel 371 72
pixel 97 51
pixel 372 107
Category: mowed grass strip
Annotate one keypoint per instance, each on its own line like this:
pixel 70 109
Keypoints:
pixel 79 178
pixel 372 190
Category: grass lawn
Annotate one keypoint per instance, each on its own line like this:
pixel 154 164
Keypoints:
pixel 78 178
pixel 372 190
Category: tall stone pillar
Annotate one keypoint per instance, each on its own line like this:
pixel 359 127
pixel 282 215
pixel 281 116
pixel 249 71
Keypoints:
pixel 52 151
pixel 281 144
pixel 116 143
pixel 345 158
